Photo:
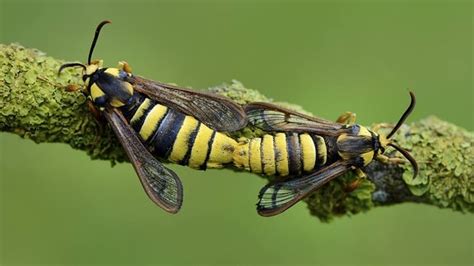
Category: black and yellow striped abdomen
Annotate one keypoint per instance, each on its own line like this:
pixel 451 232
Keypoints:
pixel 283 154
pixel 179 138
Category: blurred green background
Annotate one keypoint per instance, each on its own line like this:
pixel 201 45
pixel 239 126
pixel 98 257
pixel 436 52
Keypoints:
pixel 59 207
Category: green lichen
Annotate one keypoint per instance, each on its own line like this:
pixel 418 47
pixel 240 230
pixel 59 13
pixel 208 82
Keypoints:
pixel 335 198
pixel 35 104
pixel 238 93
pixel 446 169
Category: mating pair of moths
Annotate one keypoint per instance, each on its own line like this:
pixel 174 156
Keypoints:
pixel 157 120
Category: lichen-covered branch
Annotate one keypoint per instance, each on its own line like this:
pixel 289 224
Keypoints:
pixel 34 104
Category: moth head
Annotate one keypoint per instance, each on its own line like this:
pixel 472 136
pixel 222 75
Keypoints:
pixel 385 141
pixel 93 66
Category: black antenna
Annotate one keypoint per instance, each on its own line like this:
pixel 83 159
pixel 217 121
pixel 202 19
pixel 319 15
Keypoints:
pixel 404 116
pixel 96 36
pixel 71 65
pixel 408 156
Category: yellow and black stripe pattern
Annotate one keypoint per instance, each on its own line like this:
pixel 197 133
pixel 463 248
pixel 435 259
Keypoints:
pixel 282 154
pixel 179 138
pixel 360 145
pixel 110 88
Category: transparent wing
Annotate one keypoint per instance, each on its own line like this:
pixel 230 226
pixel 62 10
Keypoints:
pixel 215 111
pixel 270 117
pixel 160 183
pixel 277 197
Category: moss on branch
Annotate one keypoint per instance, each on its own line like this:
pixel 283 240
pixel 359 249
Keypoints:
pixel 34 104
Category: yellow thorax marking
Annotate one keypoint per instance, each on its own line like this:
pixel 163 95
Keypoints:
pixel 116 103
pixel 96 92
pixel 383 140
pixel 112 71
pixel 364 132
pixel 367 157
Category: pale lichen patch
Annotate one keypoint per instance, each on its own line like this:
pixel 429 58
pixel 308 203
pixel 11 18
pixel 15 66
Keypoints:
pixel 445 157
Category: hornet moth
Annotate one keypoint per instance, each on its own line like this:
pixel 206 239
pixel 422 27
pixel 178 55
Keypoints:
pixel 154 120
pixel 311 150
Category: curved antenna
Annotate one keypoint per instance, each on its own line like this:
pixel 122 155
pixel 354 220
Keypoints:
pixel 407 155
pixel 96 36
pixel 404 116
pixel 71 65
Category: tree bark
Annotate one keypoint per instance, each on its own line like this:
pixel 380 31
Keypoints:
pixel 35 104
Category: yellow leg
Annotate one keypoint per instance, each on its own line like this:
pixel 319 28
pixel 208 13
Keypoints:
pixel 377 127
pixel 73 88
pixel 68 88
pixel 125 66
pixel 354 184
pixel 98 119
pixel 97 62
pixel 94 111
pixel 389 160
pixel 347 118
pixel 360 174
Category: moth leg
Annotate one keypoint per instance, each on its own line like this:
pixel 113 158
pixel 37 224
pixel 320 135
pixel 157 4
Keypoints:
pixel 98 119
pixel 73 88
pixel 361 175
pixel 377 127
pixel 94 111
pixel 347 118
pixel 123 65
pixel 389 160
pixel 45 79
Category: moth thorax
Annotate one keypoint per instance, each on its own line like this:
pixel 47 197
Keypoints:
pixel 109 87
pixel 356 146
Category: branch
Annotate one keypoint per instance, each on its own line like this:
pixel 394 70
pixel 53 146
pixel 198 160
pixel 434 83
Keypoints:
pixel 34 104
